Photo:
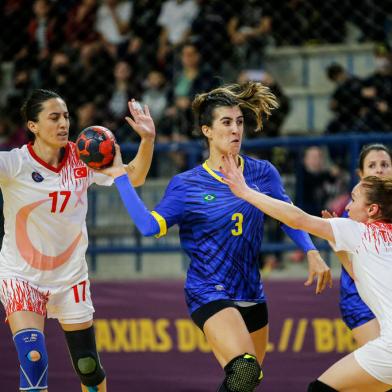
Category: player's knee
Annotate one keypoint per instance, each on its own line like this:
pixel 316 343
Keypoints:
pixel 33 359
pixel 243 374
pixel 319 386
pixel 85 359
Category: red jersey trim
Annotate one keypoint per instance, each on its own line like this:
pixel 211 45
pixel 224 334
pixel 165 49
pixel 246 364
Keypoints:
pixel 44 164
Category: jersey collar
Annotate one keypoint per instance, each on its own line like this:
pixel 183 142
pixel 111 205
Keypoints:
pixel 216 176
pixel 44 164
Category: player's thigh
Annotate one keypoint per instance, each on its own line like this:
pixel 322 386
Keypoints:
pixel 228 335
pixel 260 342
pixel 24 320
pixel 72 306
pixel 366 332
pixel 24 304
pixel 347 375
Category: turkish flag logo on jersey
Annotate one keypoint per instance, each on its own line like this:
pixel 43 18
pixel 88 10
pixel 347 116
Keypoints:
pixel 80 172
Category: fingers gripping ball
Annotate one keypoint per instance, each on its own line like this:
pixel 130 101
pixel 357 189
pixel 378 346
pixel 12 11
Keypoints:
pixel 95 147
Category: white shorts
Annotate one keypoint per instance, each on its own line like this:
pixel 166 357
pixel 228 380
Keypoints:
pixel 375 357
pixel 70 306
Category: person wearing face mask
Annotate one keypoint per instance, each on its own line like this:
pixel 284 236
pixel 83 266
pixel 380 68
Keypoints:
pixel 222 234
pixel 377 95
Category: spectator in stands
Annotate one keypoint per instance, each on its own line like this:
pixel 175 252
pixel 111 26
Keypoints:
pixel 44 34
pixel 316 181
pixel 346 104
pixel 248 30
pixel 155 95
pixel 80 18
pixel 113 17
pixel 143 44
pixel 175 20
pixel 87 114
pixel 15 16
pixel 96 66
pixel 61 78
pixel 211 28
pixel 377 94
pixel 124 88
pixel 190 78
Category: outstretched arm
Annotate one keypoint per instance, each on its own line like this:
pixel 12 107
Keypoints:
pixel 280 210
pixel 143 124
pixel 141 216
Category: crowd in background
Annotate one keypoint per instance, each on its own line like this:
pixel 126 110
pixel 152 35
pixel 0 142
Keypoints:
pixel 98 54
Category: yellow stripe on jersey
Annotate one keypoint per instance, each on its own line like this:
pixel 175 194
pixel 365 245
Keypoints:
pixel 161 222
pixel 213 174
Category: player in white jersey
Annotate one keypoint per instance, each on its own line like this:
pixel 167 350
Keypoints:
pixel 43 270
pixel 367 237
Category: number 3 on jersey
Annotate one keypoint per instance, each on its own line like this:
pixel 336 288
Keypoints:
pixel 238 218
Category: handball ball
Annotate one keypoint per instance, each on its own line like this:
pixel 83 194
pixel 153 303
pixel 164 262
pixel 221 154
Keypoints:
pixel 95 147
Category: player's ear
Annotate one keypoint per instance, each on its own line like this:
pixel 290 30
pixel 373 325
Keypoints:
pixel 373 210
pixel 206 131
pixel 32 127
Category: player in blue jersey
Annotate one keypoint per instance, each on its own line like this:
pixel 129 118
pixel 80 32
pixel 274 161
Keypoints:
pixel 374 160
pixel 222 234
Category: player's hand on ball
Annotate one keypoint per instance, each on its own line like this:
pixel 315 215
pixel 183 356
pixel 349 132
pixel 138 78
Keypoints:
pixel 141 120
pixel 117 168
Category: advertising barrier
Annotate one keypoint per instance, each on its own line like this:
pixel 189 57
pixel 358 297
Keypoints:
pixel 148 343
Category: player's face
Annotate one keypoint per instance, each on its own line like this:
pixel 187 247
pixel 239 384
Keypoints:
pixel 225 134
pixel 357 207
pixel 377 163
pixel 52 127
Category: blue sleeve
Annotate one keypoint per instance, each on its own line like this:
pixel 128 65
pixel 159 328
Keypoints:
pixel 144 220
pixel 272 185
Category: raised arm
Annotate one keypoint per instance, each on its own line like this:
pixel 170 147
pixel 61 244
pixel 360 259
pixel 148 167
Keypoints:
pixel 286 213
pixel 143 124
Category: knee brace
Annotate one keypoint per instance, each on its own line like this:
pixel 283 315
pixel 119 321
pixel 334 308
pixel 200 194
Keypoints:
pixel 33 359
pixel 243 374
pixel 319 386
pixel 85 359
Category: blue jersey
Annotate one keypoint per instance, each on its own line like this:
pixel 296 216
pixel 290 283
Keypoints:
pixel 221 233
pixel 354 311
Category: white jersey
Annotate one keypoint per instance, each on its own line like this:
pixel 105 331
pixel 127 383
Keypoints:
pixel 45 211
pixel 371 249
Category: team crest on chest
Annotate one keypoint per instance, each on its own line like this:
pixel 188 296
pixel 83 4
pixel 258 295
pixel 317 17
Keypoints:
pixel 209 197
pixel 37 177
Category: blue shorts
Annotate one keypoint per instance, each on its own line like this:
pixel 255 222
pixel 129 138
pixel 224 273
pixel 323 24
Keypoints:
pixel 209 292
pixel 354 311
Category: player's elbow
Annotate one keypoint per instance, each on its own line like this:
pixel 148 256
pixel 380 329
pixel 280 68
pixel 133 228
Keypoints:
pixel 136 182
